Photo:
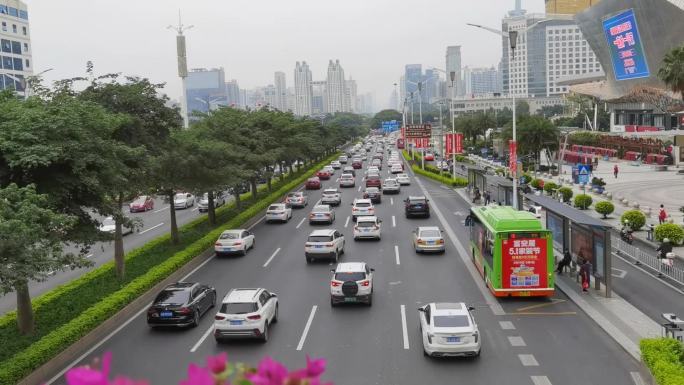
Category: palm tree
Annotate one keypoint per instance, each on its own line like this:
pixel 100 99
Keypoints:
pixel 672 71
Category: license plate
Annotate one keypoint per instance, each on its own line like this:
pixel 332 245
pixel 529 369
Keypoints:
pixel 227 249
pixel 166 314
pixel 453 339
pixel 524 294
pixel 236 322
pixel 430 242
pixel 365 230
pixel 350 299
pixel 318 246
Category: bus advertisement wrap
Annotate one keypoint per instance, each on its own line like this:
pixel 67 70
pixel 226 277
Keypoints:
pixel 524 263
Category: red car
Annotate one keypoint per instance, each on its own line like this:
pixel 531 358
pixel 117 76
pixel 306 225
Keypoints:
pixel 429 156
pixel 141 203
pixel 323 175
pixel 357 165
pixel 313 183
pixel 373 181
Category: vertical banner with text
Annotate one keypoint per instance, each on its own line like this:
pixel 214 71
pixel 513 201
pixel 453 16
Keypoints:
pixel 513 157
pixel 454 144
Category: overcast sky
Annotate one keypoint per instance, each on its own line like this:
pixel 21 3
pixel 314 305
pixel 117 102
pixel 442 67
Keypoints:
pixel 251 39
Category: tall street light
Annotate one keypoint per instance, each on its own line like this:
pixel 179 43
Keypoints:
pixel 452 78
pixel 182 65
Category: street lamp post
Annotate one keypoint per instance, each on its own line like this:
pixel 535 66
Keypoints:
pixel 182 66
pixel 452 77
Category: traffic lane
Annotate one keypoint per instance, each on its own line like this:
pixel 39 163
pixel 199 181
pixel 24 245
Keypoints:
pixel 558 320
pixel 645 291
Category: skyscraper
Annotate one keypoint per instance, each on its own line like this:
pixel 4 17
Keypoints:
pixel 350 95
pixel 233 93
pixel 453 63
pixel 336 88
pixel 480 81
pixel 280 91
pixel 16 45
pixel 568 7
pixel 319 101
pixel 270 96
pixel 302 77
pixel 413 74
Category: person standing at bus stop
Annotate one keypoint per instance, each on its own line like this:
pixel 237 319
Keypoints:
pixel 585 271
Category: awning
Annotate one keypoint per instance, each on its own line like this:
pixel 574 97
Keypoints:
pixel 567 211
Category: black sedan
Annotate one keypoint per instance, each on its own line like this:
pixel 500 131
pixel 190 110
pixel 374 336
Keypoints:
pixel 181 304
pixel 373 193
pixel 416 206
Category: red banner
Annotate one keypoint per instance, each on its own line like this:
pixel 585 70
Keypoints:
pixel 513 157
pixel 454 142
pixel 449 142
pixel 421 142
pixel 523 263
pixel 459 143
pixel 403 129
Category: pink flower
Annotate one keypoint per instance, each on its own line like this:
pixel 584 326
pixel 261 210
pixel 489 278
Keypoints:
pixel 198 376
pixel 269 372
pixel 314 369
pixel 217 364
pixel 85 375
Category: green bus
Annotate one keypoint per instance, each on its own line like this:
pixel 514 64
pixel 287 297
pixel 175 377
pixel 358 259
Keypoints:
pixel 512 251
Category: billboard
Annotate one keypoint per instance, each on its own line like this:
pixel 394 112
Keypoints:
pixel 454 144
pixel 523 263
pixel 418 131
pixel 624 43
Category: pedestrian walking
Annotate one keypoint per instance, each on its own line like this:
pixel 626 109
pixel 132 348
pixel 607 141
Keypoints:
pixel 487 198
pixel 664 248
pixel 565 262
pixel 615 171
pixel 585 272
pixel 662 215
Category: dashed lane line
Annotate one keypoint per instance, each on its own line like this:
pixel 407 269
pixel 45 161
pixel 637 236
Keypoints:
pixel 516 341
pixel 506 325
pixel 161 209
pixel 540 380
pixel 204 337
pixel 396 254
pixel 300 223
pixel 394 221
pixel 528 360
pixel 151 228
pixel 404 329
pixel 272 256
pixel 306 328
pixel 346 223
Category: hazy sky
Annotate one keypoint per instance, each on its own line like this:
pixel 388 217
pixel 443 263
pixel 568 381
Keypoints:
pixel 251 40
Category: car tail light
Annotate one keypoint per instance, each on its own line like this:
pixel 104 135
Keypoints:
pixel 355 209
pixel 441 241
pixel 327 214
pixel 219 317
pixel 254 317
pixel 376 227
pixel 335 283
pixel 311 215
pixel 365 283
pixel 421 242
pixel 218 244
pixel 237 243
pixel 476 335
pixel 185 310
pixel 152 311
pixel 329 244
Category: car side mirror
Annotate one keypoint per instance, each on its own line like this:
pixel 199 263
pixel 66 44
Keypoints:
pixel 471 308
pixel 273 295
pixel 421 309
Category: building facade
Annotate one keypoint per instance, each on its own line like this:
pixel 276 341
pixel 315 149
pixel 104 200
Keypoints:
pixel 319 101
pixel 499 103
pixel 568 7
pixel 453 64
pixel 567 54
pixel 280 91
pixel 481 81
pixel 413 74
pixel 233 94
pixel 303 94
pixel 16 62
pixel 205 90
pixel 271 97
pixel 350 95
pixel 336 88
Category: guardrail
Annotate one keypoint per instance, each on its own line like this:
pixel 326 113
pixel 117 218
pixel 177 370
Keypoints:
pixel 648 259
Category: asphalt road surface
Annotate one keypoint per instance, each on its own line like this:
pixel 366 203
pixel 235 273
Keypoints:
pixel 529 341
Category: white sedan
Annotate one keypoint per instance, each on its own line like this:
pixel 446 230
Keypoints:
pixel 183 200
pixel 449 330
pixel 234 241
pixel 279 212
pixel 403 179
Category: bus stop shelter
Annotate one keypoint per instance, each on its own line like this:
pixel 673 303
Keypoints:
pixel 580 233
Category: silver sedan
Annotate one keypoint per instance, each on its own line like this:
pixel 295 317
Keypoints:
pixel 428 238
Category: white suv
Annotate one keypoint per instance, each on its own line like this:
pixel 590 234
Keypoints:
pixel 324 244
pixel 362 208
pixel 351 282
pixel 449 329
pixel 367 227
pixel 246 313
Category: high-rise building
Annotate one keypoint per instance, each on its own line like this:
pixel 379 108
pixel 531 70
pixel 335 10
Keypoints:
pixel 350 95
pixel 365 103
pixel 394 101
pixel 480 81
pixel 270 96
pixel 280 91
pixel 233 94
pixel 319 100
pixel 430 86
pixel 413 74
pixel 205 89
pixel 16 61
pixel 567 55
pixel 291 99
pixel 453 63
pixel 402 92
pixel 336 88
pixel 568 7
pixel 302 77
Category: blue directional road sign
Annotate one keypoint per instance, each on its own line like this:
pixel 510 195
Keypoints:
pixel 583 171
pixel 390 126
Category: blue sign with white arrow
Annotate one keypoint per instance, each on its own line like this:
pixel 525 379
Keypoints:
pixel 583 172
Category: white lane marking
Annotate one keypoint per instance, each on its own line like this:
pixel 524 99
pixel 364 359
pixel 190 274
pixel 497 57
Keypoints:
pixel 496 307
pixel 360 188
pixel 89 256
pixel 110 335
pixel 204 337
pixel 256 223
pixel 403 327
pixel 391 200
pixel 160 210
pixel 618 273
pixel 528 360
pixel 337 180
pixel 151 228
pixel 506 325
pixel 636 377
pixel 394 221
pixel 540 380
pixel 346 222
pixel 306 328
pixel 272 256
pixel 396 254
pixel 516 341
pixel 300 222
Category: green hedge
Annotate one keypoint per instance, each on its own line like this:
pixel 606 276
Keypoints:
pixel 69 312
pixel 664 357
pixel 671 231
pixel 458 182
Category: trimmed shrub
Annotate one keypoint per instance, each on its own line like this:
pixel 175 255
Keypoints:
pixel 458 182
pixel 67 313
pixel 527 178
pixel 671 231
pixel 636 219
pixel 550 188
pixel 583 201
pixel 664 357
pixel 566 193
pixel 537 184
pixel 604 207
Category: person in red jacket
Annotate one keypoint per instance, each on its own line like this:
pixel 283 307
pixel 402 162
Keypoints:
pixel 615 170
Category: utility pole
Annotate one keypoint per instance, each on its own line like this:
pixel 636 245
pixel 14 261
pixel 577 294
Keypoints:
pixel 182 65
pixel 452 76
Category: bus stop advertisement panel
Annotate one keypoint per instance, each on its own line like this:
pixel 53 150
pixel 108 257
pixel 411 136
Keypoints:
pixel 525 264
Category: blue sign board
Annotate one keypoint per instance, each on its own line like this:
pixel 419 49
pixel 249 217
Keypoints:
pixel 624 43
pixel 583 171
pixel 390 126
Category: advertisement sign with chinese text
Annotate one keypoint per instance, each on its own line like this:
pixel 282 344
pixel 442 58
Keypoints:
pixel 626 50
pixel 512 157
pixel 523 263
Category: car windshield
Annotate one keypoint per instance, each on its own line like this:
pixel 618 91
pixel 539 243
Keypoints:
pixel 451 321
pixel 292 195
pixel 238 308
pixel 390 182
pixel 230 235
pixel 109 221
pixel 365 224
pixel 350 276
pixel 363 204
pixel 140 200
pixel 172 297
pixel 417 201
pixel 372 190
pixel 276 207
pixel 430 234
pixel 181 196
pixel 321 209
pixel 319 238
pixel 347 176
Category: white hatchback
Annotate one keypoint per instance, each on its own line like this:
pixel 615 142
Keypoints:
pixel 367 227
pixel 246 313
pixel 351 282
pixel 449 330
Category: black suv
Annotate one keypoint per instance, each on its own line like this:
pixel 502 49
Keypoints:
pixel 181 304
pixel 417 206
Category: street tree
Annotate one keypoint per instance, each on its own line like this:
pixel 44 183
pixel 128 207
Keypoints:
pixel 672 71
pixel 384 116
